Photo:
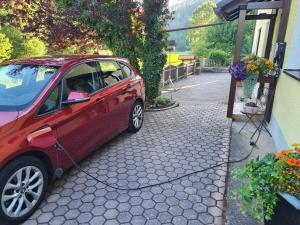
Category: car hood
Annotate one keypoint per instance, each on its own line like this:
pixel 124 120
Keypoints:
pixel 7 121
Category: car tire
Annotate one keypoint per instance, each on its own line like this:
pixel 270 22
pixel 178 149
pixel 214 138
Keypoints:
pixel 22 187
pixel 136 117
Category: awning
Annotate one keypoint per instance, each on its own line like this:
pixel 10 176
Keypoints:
pixel 228 10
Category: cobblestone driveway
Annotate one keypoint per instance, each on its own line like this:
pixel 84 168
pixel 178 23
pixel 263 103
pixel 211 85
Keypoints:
pixel 170 144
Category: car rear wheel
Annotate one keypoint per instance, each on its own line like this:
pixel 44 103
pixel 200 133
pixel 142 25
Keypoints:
pixel 136 117
pixel 22 188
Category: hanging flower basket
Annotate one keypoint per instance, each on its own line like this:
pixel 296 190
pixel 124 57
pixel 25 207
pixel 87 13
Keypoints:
pixel 248 72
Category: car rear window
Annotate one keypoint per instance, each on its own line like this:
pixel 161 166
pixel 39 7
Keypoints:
pixel 20 85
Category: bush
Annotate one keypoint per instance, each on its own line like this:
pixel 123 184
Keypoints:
pixel 219 56
pixel 17 41
pixel 35 47
pixel 161 101
pixel 5 48
pixel 201 51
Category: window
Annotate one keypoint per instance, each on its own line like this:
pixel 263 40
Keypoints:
pixel 127 71
pixel 83 77
pixel 21 84
pixel 111 72
pixel 52 102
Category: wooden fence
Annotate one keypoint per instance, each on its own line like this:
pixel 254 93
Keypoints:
pixel 181 71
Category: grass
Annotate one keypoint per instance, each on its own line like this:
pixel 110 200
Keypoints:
pixel 173 58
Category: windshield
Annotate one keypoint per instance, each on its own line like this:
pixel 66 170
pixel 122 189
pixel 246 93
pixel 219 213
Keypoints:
pixel 20 85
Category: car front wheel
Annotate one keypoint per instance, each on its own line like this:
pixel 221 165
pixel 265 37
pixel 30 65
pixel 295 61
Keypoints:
pixel 136 117
pixel 22 188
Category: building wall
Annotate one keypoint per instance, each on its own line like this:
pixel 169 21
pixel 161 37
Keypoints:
pixel 285 123
pixel 261 35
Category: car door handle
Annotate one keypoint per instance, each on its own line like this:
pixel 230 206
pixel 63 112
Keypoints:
pixel 99 100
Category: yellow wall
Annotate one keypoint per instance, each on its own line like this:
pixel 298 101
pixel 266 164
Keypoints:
pixel 285 122
pixel 264 26
pixel 287 99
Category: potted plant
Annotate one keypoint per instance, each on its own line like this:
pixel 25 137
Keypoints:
pixel 249 70
pixel 264 179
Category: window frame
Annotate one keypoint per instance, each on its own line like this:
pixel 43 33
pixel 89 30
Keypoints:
pixel 131 71
pixel 76 65
pixel 59 83
pixel 118 63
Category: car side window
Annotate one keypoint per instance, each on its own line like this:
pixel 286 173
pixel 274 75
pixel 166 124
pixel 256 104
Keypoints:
pixel 83 77
pixel 111 72
pixel 126 71
pixel 52 102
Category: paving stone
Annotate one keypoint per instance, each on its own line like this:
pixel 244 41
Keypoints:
pixel 171 143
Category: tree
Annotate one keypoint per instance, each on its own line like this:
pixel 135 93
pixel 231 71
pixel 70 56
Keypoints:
pixel 153 55
pixel 35 47
pixel 17 41
pixel 204 14
pixel 5 48
pixel 130 29
pixel 220 37
pixel 45 20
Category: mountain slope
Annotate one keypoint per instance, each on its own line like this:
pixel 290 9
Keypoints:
pixel 183 11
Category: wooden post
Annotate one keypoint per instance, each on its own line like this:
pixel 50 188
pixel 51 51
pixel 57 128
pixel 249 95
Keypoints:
pixel 268 49
pixel 281 38
pixel 163 79
pixel 237 57
pixel 187 70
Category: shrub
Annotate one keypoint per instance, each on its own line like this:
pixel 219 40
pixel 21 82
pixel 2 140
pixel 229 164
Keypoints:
pixel 35 47
pixel 17 41
pixel 161 101
pixel 219 56
pixel 201 51
pixel 5 48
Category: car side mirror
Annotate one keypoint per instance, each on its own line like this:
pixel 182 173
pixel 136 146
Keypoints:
pixel 76 97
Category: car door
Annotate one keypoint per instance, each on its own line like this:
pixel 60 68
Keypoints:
pixel 78 126
pixel 117 87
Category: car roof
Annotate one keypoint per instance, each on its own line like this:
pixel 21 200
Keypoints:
pixel 61 60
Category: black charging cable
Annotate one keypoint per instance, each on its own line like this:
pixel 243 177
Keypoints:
pixel 153 185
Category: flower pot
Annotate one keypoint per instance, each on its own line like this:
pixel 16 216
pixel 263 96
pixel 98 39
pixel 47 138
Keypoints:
pixel 249 85
pixel 284 214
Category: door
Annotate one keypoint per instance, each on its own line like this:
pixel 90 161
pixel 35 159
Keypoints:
pixel 119 95
pixel 78 125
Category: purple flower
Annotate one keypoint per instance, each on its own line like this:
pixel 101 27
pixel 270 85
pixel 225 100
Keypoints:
pixel 238 70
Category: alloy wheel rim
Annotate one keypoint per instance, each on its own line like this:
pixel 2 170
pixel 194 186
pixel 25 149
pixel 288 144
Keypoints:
pixel 137 116
pixel 22 191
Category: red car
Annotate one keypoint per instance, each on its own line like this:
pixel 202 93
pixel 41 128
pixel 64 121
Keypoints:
pixel 78 102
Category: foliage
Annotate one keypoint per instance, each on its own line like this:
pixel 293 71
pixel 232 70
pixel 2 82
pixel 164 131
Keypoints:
pixel 219 56
pixel 153 55
pixel 44 20
pixel 35 47
pixel 201 50
pixel 220 37
pixel 17 40
pixel 182 13
pixel 204 14
pixel 161 101
pixel 265 178
pixel 130 29
pixel 5 48
pixel 117 25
